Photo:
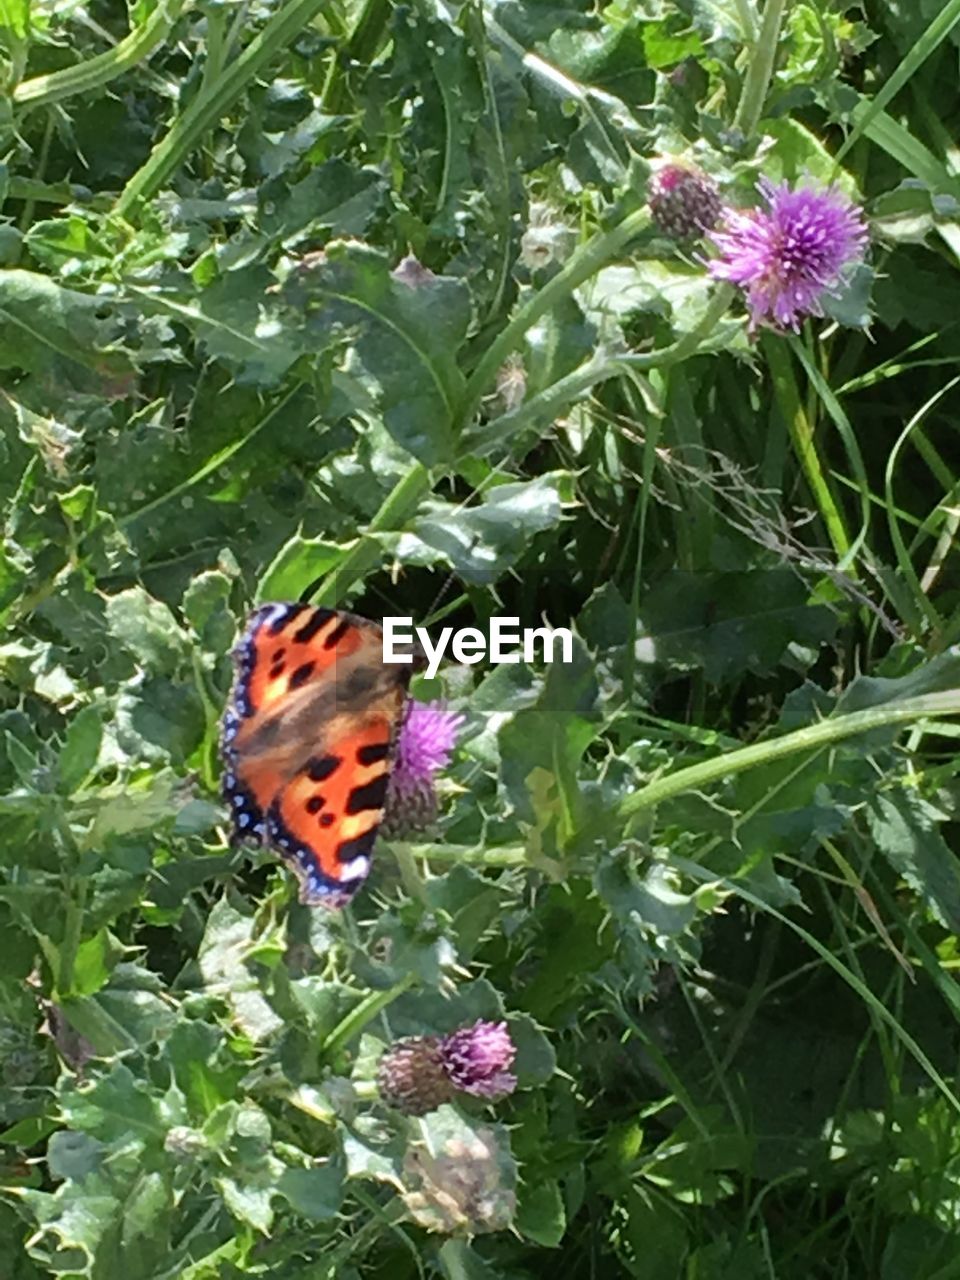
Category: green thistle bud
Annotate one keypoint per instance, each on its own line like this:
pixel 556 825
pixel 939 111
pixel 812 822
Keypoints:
pixel 409 811
pixel 185 1144
pixel 411 1076
pixel 684 203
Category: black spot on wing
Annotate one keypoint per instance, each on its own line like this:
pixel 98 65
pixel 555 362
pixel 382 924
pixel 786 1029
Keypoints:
pixel 315 804
pixel 317 888
pixel 318 619
pixel 337 634
pixel 319 768
pixel 360 846
pixel 284 616
pixel 302 675
pixel 369 796
pixel 327 819
pixel 373 753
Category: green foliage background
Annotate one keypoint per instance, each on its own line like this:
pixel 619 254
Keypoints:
pixel 320 298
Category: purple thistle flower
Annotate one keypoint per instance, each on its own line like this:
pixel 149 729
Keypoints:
pixel 426 740
pixel 418 1074
pixel 787 256
pixel 476 1059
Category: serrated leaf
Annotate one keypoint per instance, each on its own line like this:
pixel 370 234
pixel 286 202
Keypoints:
pixel 147 629
pixel 335 197
pixel 227 943
pixel 115 1105
pixel 405 337
pixel 481 541
pixel 45 328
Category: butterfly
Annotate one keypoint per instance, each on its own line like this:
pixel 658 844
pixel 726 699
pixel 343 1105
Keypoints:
pixel 308 742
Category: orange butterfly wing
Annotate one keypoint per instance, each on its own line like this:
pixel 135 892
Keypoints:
pixel 308 742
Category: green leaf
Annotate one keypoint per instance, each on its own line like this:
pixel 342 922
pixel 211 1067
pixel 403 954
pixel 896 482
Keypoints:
pixel 299 562
pixel 227 942
pixel 93 963
pixel 904 829
pixel 729 623
pixel 115 1105
pixel 335 197
pixel 81 748
pixel 147 629
pixel 15 17
pixel 73 1155
pixel 239 319
pixel 540 1213
pixel 48 329
pixel 536 1060
pixel 143 806
pixel 315 1193
pixel 249 1200
pixel 483 540
pixel 405 336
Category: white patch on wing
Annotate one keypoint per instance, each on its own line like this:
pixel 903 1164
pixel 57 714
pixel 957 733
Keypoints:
pixel 355 869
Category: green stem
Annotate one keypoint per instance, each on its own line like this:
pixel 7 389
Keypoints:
pixel 512 855
pixel 93 73
pixel 596 253
pixel 834 729
pixel 598 368
pixel 397 508
pixel 212 104
pixel 691 342
pixel 359 1017
pixel 545 404
pixel 760 72
pixel 47 192
pixel 802 436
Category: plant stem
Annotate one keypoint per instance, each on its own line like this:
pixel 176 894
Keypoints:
pixel 801 434
pixel 596 253
pixel 91 74
pixel 834 729
pixel 508 855
pixel 361 1015
pixel 545 404
pixel 756 84
pixel 598 368
pixel 212 104
pixel 399 505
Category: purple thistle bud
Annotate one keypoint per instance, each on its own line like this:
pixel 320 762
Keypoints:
pixel 684 203
pixel 411 1076
pixel 476 1059
pixel 787 256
